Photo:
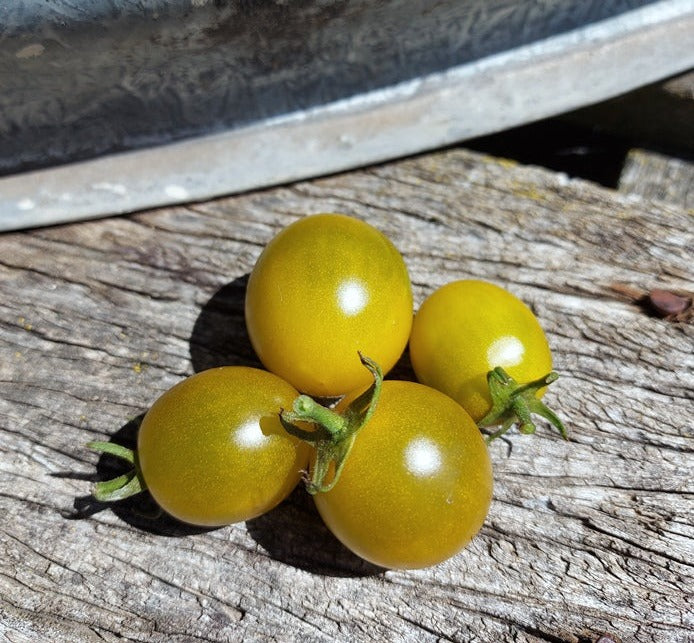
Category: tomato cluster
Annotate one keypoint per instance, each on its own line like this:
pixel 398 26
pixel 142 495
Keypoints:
pixel 399 470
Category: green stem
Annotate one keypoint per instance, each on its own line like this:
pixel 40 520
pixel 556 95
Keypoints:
pixel 113 449
pixel 123 486
pixel 330 425
pixel 514 403
pixel 334 432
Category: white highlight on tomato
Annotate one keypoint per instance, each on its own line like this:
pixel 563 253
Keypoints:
pixel 352 297
pixel 250 435
pixel 422 457
pixel 505 351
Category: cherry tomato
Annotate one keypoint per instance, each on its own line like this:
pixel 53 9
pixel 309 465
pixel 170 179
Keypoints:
pixel 417 483
pixel 467 328
pixel 212 450
pixel 324 288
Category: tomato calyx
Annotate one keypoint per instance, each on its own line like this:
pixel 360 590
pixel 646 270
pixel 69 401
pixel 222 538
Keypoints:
pixel 334 432
pixel 129 484
pixel 514 403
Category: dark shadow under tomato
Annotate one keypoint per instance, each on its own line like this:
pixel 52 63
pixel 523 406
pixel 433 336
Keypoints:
pixel 219 336
pixel 294 533
pixel 403 369
pixel 140 511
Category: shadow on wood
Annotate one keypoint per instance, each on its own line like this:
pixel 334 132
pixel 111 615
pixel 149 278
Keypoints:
pixel 403 369
pixel 294 533
pixel 140 511
pixel 219 336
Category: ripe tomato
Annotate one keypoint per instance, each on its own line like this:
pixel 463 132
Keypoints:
pixel 212 450
pixel 467 328
pixel 324 288
pixel 417 483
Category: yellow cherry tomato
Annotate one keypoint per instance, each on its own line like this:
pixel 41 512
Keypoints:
pixel 467 328
pixel 417 483
pixel 324 288
pixel 212 450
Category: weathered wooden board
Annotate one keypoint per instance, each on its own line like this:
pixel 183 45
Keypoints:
pixel 588 537
pixel 656 176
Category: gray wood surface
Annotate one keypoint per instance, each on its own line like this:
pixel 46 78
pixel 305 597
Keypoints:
pixel 585 538
pixel 660 177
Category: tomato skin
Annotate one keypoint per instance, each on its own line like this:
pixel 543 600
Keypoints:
pixel 323 289
pixel 465 329
pixel 212 450
pixel 417 484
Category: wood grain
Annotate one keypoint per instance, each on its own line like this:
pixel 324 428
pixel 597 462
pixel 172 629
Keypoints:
pixel 659 177
pixel 584 538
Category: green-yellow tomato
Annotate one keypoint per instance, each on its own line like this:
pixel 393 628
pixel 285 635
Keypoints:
pixel 325 288
pixel 467 328
pixel 417 483
pixel 212 450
